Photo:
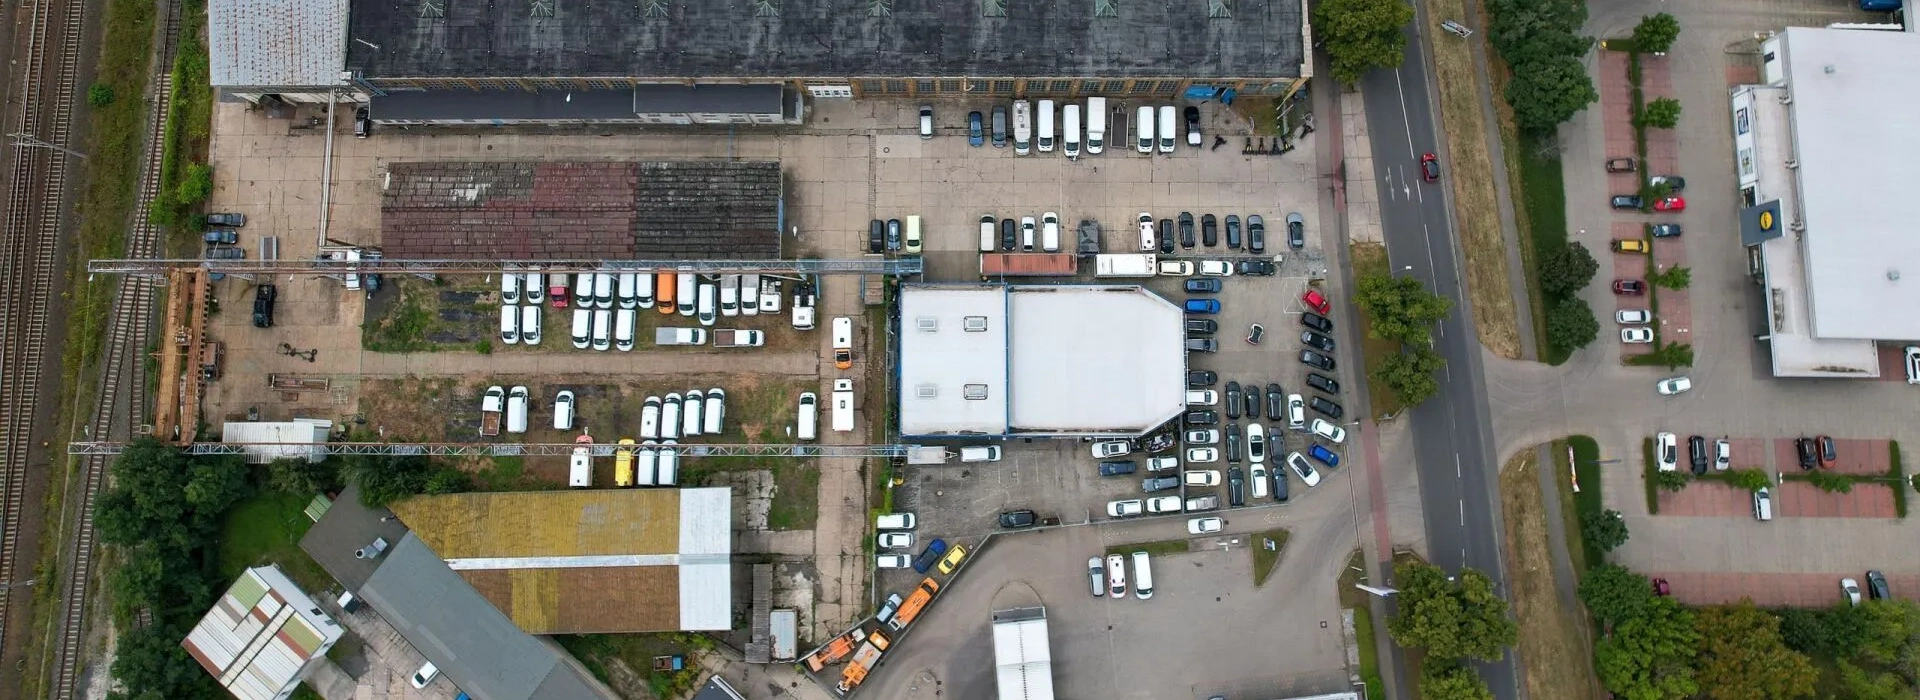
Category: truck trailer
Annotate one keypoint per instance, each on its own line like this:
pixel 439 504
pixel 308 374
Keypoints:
pixel 1028 265
pixel 1022 656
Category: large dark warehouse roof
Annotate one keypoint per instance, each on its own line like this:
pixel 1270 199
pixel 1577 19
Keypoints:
pixel 824 38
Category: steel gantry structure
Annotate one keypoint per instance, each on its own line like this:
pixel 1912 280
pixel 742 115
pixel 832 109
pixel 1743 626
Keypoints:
pixel 876 265
pixel 492 449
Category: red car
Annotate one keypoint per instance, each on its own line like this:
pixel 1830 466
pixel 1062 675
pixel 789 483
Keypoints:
pixel 1316 301
pixel 1632 288
pixel 1429 168
pixel 557 291
pixel 1670 204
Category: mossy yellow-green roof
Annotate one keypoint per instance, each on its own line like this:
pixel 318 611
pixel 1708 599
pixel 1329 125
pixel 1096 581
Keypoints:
pixel 546 523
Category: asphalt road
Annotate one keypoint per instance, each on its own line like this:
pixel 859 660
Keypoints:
pixel 1453 431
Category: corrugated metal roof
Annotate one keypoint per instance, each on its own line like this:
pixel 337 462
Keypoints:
pixel 277 43
pixel 287 434
pixel 607 522
pixel 1023 658
pixel 257 637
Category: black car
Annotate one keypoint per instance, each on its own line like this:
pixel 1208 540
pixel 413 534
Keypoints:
pixel 1316 322
pixel 1805 448
pixel 1186 229
pixel 1252 404
pixel 1316 360
pixel 893 234
pixel 1233 231
pixel 1191 116
pixel 263 297
pixel 1209 230
pixel 1202 344
pixel 1316 340
pixel 1202 418
pixel 1159 483
pixel 363 123
pixel 1009 238
pixel 1166 236
pixel 1697 454
pixel 1326 408
pixel 1202 325
pixel 1197 378
pixel 1204 285
pixel 1663 230
pixel 1324 383
pixel 1877 586
pixel 1018 518
pixel 1233 443
pixel 1236 487
pixel 1117 468
pixel 1296 231
pixel 877 236
pixel 1276 401
pixel 1626 201
pixel 1233 399
pixel 1256 234
pixel 1262 268
pixel 1279 484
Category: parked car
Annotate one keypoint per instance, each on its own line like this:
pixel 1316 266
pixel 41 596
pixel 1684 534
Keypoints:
pixel 1256 443
pixel 1126 509
pixel 1202 344
pixel 226 218
pixel 1316 322
pixel 1165 236
pixel 1912 357
pixel 1202 436
pixel 1323 383
pixel 1429 167
pixel 1233 400
pixel 1233 442
pixel 1297 232
pixel 1666 451
pixel 1325 407
pixel 1630 288
pixel 1697 454
pixel 1722 455
pixel 1633 317
pixel 1255 333
pixel 1626 201
pixel 1186 230
pixel 999 126
pixel 1314 359
pixel 892 561
pixel 1850 589
pixel 1828 454
pixel 1630 245
pixel 1191 115
pixel 1009 235
pixel 895 540
pixel 926 121
pixel 1209 230
pixel 1673 182
pixel 935 549
pixel 220 236
pixel 1670 204
pixel 1202 454
pixel 1807 452
pixel 1018 519
pixel 1110 448
pixel 1203 285
pixel 1620 165
pixel 876 240
pixel 1316 340
pixel 1877 586
pixel 1205 526
pixel 1663 230
pixel 1276 402
pixel 263 299
pixel 1216 268
pixel 1636 335
pixel 1197 378
pixel 1203 306
pixel 953 558
pixel 1233 232
pixel 1258 268
pixel 1117 468
pixel 1236 487
pixel 1316 301
pixel 1163 504
pixel 1202 325
pixel 1308 475
pixel 893 234
pixel 1257 236
pixel 1159 483
pixel 976 129
pixel 1323 456
pixel 1673 385
pixel 1332 433
pixel 1097 576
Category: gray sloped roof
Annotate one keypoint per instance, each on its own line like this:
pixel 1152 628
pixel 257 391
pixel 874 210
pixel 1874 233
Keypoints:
pixel 269 43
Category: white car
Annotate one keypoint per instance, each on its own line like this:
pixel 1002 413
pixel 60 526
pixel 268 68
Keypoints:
pixel 896 540
pixel 1111 448
pixel 1203 397
pixel 1148 241
pixel 1125 509
pixel 1306 471
pixel 1203 477
pixel 1160 464
pixel 1176 268
pixel 1203 436
pixel 1257 480
pixel 1256 443
pixel 1673 385
pixel 1216 268
pixel 1636 335
pixel 892 561
pixel 1848 587
pixel 1097 575
pixel 1050 232
pixel 509 291
pixel 1722 455
pixel 1026 233
pixel 1333 433
pixel 1913 364
pixel 1202 454
pixel 1666 451
pixel 428 671
pixel 1164 504
pixel 1633 317
pixel 1205 526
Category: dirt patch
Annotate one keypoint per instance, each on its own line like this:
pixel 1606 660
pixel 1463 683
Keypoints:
pixel 1471 176
pixel 1553 639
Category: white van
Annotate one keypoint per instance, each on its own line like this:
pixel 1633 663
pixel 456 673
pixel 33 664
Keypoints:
pixel 510 325
pixel 1149 238
pixel 986 453
pixel 670 416
pixel 510 287
pixel 706 305
pixel 517 410
pixel 583 290
pixel 646 461
pixel 715 412
pixel 623 330
pixel 1143 129
pixel 895 521
pixel 690 407
pixel 1070 129
pixel 1763 505
pixel 563 411
pixel 808 420
pixel 668 470
pixel 1045 119
pixel 603 290
pixel 729 295
pixel 750 292
pixel 989 239
pixel 628 291
pixel 1167 130
pixel 1142 576
pixel 530 324
pixel 536 291
pixel 1022 127
pixel 582 328
pixel 643 289
pixel 650 418
pixel 1096 125
pixel 602 329
pixel 686 290
pixel 1050 232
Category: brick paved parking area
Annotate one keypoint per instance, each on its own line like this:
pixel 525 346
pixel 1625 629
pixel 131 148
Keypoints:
pixel 1799 499
pixel 1748 453
pixel 1676 309
pixel 1626 266
pixel 1860 457
pixel 1706 499
pixel 1893 363
pixel 1774 590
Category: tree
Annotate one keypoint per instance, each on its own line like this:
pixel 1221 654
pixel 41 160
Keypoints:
pixel 1861 684
pixel 1409 374
pixel 1450 680
pixel 1676 277
pixel 1546 92
pixel 447 480
pixel 1567 270
pixel 1604 530
pixel 99 95
pixel 1614 593
pixel 1571 325
pixel 1450 619
pixel 1661 113
pixel 1360 35
pixel 1517 26
pixel 1399 308
pixel 1656 33
pixel 1648 656
pixel 383 480
pixel 303 478
pixel 150 664
pixel 1742 656
pixel 196 185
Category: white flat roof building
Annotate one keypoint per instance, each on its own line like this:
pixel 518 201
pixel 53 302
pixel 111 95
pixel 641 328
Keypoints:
pixel 1823 166
pixel 1081 360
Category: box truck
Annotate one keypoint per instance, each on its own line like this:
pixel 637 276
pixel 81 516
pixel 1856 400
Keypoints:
pixel 843 405
pixel 1124 265
pixel 843 343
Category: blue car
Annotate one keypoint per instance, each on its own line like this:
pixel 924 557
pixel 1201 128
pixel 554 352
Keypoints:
pixel 1203 306
pixel 933 552
pixel 1324 455
pixel 975 134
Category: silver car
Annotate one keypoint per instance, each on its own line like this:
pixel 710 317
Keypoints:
pixel 1097 574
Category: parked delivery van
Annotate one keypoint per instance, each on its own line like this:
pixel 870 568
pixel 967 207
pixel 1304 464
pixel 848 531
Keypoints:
pixel 1045 122
pixel 1070 129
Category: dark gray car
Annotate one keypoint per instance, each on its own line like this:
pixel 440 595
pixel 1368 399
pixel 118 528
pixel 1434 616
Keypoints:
pixel 1233 443
pixel 1236 487
pixel 1233 231
pixel 1159 483
pixel 1209 230
pixel 1317 360
pixel 1296 231
pixel 1276 401
pixel 1233 399
pixel 1316 340
pixel 1256 234
pixel 1252 405
pixel 1186 229
pixel 1000 126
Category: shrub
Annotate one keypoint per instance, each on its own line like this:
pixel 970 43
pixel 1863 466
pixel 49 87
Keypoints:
pixel 99 95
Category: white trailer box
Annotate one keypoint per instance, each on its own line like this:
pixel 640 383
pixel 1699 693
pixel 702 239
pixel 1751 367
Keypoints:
pixel 1125 265
pixel 843 405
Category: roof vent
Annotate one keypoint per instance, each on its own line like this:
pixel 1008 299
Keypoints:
pixel 1830 70
pixel 432 9
pixel 1106 8
pixel 927 324
pixel 927 391
pixel 1220 9
pixel 1893 275
pixel 656 9
pixel 879 8
pixel 372 551
pixel 976 392
pixel 976 324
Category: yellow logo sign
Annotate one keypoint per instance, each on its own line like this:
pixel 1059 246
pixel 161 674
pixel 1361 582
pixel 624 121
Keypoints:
pixel 1766 221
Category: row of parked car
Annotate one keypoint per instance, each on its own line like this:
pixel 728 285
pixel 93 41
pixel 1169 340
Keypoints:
pixel 689 294
pixel 1162 236
pixel 692 414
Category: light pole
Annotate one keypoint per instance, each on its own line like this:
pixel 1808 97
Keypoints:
pixel 25 140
